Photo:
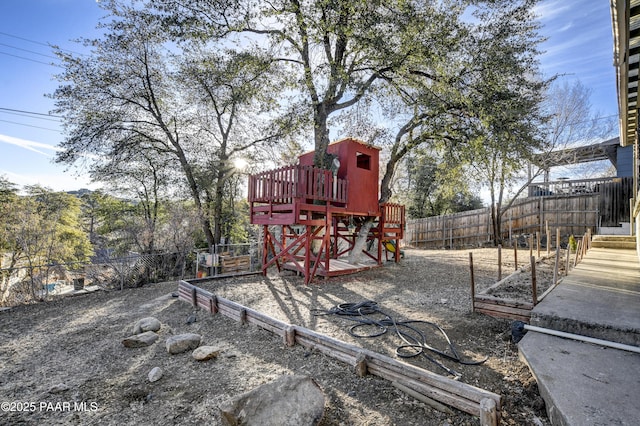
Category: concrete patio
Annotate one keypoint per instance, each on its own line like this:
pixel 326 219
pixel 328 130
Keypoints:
pixel 584 383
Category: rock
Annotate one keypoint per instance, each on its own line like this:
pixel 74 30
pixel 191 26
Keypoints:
pixel 289 400
pixel 146 324
pixel 183 342
pixel 191 319
pixel 60 387
pixel 204 353
pixel 140 340
pixel 155 374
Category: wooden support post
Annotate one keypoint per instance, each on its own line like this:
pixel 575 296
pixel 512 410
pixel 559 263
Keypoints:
pixel 546 230
pixel 488 412
pixel 555 268
pixel 243 316
pixel 360 367
pixel 213 305
pixel 534 285
pixel 194 297
pixel 538 243
pixel 290 336
pixel 473 284
pixel 530 244
pixel 575 262
pixel 499 262
pixel 566 272
pixel 515 255
pixel 557 238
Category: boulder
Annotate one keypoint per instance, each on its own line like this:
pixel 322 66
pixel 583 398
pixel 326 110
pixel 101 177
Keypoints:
pixel 60 387
pixel 290 400
pixel 183 342
pixel 146 324
pixel 204 353
pixel 155 374
pixel 140 340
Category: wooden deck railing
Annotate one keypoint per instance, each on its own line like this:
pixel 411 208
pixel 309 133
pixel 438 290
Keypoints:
pixel 393 214
pixel 283 185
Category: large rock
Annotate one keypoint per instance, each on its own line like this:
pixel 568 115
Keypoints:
pixel 205 353
pixel 146 324
pixel 155 374
pixel 183 342
pixel 289 400
pixel 140 340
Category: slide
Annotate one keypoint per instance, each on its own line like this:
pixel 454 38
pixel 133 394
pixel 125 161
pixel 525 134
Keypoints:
pixel 391 247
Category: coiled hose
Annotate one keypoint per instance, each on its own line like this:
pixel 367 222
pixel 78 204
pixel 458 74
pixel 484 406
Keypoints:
pixel 415 340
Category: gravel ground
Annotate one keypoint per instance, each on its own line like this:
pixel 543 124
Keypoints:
pixel 69 350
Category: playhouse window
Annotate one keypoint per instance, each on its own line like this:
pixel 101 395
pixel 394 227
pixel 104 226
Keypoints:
pixel 363 161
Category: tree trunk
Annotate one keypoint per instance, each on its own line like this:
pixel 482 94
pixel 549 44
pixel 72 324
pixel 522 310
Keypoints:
pixel 361 241
pixel 496 221
pixel 217 206
pixel 321 158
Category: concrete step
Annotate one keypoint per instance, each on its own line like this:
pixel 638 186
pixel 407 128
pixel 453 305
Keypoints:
pixel 599 298
pixel 623 242
pixel 626 238
pixel 583 383
pixel 622 245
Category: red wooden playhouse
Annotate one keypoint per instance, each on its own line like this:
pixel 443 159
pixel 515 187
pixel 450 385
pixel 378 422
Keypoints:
pixel 311 217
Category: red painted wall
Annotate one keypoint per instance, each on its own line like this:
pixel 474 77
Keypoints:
pixel 359 165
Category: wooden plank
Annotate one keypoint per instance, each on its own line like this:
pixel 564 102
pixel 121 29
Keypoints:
pixel 504 302
pixel 468 406
pixel 503 309
pixel 423 398
pixel 504 315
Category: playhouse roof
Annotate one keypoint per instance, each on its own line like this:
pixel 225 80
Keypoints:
pixel 363 143
pixel 356 140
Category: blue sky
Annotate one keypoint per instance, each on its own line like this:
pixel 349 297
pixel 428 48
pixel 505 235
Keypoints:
pixel 579 47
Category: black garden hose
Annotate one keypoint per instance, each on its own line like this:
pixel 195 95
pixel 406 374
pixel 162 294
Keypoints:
pixel 415 340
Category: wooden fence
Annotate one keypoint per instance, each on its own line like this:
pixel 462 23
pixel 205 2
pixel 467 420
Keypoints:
pixel 572 214
pixel 426 385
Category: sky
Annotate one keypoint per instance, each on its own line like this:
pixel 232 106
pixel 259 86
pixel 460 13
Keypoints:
pixel 579 46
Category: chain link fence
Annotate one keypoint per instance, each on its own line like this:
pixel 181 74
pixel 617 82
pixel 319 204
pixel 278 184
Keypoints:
pixel 26 284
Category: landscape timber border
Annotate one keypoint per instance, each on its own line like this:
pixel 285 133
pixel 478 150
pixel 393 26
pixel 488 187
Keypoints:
pixel 427 386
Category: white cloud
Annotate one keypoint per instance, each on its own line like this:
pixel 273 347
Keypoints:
pixel 37 147
pixel 549 10
pixel 53 181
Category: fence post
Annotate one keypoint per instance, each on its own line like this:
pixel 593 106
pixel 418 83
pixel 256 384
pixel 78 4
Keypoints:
pixel 473 284
pixel 548 237
pixel 534 285
pixel 499 262
pixel 488 412
pixel 555 268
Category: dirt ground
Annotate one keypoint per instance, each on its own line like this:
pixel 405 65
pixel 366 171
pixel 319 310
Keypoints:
pixel 63 361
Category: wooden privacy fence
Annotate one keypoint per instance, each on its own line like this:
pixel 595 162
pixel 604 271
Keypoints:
pixel 572 214
pixel 429 387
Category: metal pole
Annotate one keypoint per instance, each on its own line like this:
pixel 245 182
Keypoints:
pixel 587 339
